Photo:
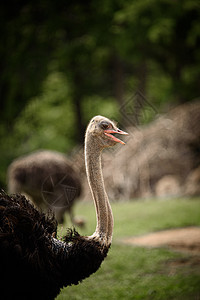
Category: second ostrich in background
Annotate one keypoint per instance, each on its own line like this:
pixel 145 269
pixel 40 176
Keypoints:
pixel 50 181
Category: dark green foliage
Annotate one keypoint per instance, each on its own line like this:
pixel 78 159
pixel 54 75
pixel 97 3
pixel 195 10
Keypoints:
pixel 85 41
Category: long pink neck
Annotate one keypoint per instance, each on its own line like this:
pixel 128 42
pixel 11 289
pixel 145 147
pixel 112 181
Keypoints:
pixel 104 228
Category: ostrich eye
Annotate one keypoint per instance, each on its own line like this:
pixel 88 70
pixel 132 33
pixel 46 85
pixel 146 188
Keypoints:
pixel 104 125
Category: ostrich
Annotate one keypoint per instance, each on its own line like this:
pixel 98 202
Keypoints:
pixel 49 179
pixel 34 264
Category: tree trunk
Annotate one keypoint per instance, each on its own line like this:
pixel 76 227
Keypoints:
pixel 77 96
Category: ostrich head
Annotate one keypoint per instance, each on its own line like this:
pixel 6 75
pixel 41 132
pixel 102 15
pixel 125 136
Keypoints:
pixel 101 130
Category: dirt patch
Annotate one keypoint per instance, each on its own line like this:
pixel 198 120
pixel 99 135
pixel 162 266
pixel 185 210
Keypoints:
pixel 181 239
pixel 186 265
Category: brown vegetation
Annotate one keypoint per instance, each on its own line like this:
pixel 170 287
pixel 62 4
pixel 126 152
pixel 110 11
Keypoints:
pixel 161 159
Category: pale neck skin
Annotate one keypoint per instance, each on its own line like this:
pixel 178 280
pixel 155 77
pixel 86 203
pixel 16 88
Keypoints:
pixel 104 228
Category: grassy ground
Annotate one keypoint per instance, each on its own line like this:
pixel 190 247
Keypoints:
pixel 136 272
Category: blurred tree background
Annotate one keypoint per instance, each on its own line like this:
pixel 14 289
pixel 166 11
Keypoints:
pixel 64 61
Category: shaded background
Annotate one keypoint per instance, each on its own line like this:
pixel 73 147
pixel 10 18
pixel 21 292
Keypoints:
pixel 63 62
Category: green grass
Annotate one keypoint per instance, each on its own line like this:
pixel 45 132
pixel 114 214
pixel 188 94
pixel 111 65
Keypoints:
pixel 136 272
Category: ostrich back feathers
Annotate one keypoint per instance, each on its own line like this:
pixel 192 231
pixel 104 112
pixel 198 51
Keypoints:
pixel 34 264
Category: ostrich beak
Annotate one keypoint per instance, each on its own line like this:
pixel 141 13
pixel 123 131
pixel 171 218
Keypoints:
pixel 109 132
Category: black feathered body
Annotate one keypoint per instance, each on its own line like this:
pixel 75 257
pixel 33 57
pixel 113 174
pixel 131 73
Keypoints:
pixel 33 263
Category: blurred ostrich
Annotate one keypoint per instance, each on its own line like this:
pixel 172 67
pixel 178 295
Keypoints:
pixel 50 181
